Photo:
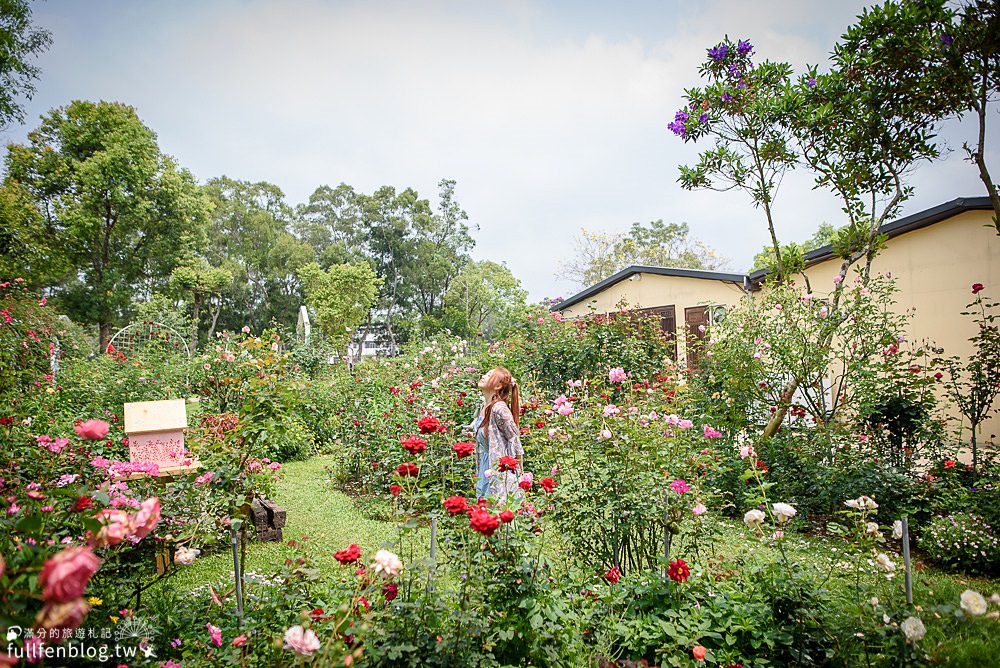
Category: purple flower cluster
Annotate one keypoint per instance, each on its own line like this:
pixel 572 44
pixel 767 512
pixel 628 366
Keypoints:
pixel 677 126
pixel 719 52
pixel 744 47
pixel 734 71
pixel 812 82
pixel 726 97
pixel 946 39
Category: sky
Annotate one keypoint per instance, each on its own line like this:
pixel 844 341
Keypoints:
pixel 551 116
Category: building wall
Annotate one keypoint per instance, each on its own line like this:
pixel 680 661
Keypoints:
pixel 652 290
pixel 935 268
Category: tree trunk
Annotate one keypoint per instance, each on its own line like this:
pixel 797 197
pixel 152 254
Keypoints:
pixel 786 398
pixel 103 328
pixel 975 453
pixel 195 318
pixel 215 318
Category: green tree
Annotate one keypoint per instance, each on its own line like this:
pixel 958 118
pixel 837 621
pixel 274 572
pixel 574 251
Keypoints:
pixel 195 279
pixel 341 296
pixel 111 208
pixel 331 224
pixel 793 252
pixel 599 255
pixel 485 295
pixel 19 42
pixel 249 237
pixel 743 109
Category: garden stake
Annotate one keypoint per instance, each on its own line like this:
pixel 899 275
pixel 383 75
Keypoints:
pixel 236 572
pixel 434 539
pixel 666 532
pixel 906 562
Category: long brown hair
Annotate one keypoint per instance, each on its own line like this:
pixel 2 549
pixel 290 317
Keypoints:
pixel 504 389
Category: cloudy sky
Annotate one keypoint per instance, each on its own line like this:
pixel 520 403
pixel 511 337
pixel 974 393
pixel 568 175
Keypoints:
pixel 550 115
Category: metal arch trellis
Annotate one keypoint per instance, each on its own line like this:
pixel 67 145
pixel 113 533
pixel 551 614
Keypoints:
pixel 138 335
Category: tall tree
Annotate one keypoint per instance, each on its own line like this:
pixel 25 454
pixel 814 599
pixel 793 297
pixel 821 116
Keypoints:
pixel 599 255
pixel 486 295
pixel 249 237
pixel 20 41
pixel 341 296
pixel 111 207
pixel 330 222
pixel 743 110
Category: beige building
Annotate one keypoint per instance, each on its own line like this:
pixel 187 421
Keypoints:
pixel 686 300
pixel 935 256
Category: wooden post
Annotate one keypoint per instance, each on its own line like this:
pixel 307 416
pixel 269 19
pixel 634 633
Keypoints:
pixel 236 572
pixel 906 562
pixel 434 538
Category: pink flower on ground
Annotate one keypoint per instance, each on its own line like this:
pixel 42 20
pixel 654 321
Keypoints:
pixel 617 375
pixel 301 641
pixel 684 424
pixel 216 633
pixel 93 430
pixel 710 432
pixel 680 486
pixel 64 577
pixel 239 641
pixel 698 510
pixel 566 409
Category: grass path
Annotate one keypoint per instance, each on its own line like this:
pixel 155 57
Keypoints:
pixel 327 519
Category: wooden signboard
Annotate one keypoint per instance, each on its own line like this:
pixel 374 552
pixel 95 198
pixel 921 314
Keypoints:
pixel 156 434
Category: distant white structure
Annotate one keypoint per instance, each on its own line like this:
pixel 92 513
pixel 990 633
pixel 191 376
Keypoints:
pixel 302 327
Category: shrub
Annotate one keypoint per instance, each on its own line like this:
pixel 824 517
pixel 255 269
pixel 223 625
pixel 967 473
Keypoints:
pixel 964 542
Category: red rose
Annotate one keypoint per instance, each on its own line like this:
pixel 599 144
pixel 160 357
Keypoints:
pixel 456 505
pixel 395 390
pixel 83 503
pixel 414 445
pixel 482 521
pixel 463 448
pixel 679 571
pixel 390 590
pixel 459 402
pixel 507 516
pixel 507 464
pixel 613 575
pixel 93 430
pixel 428 424
pixel 977 287
pixel 408 469
pixel 539 424
pixel 395 489
pixel 348 556
pixel 548 484
pixel 64 577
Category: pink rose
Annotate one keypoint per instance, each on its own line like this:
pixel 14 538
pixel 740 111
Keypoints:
pixel 93 430
pixel 216 634
pixel 301 641
pixel 61 618
pixel 116 526
pixel 64 576
pixel 147 518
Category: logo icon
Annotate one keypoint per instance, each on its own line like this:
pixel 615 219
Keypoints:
pixel 13 633
pixel 139 630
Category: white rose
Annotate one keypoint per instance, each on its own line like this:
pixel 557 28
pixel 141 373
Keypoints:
pixel 387 563
pixel 868 503
pixel 995 599
pixel 885 563
pixel 913 629
pixel 783 512
pixel 753 518
pixel 897 532
pixel 852 503
pixel 973 603
pixel 185 556
pixel 872 528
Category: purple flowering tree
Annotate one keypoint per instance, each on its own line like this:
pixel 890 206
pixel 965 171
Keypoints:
pixel 742 110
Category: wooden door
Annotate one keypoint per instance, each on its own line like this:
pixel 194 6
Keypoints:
pixel 668 323
pixel 695 324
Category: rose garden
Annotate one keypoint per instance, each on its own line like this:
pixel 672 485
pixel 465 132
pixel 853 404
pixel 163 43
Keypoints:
pixel 200 468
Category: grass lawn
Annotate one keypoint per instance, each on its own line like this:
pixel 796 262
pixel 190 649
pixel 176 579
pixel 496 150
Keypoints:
pixel 326 519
